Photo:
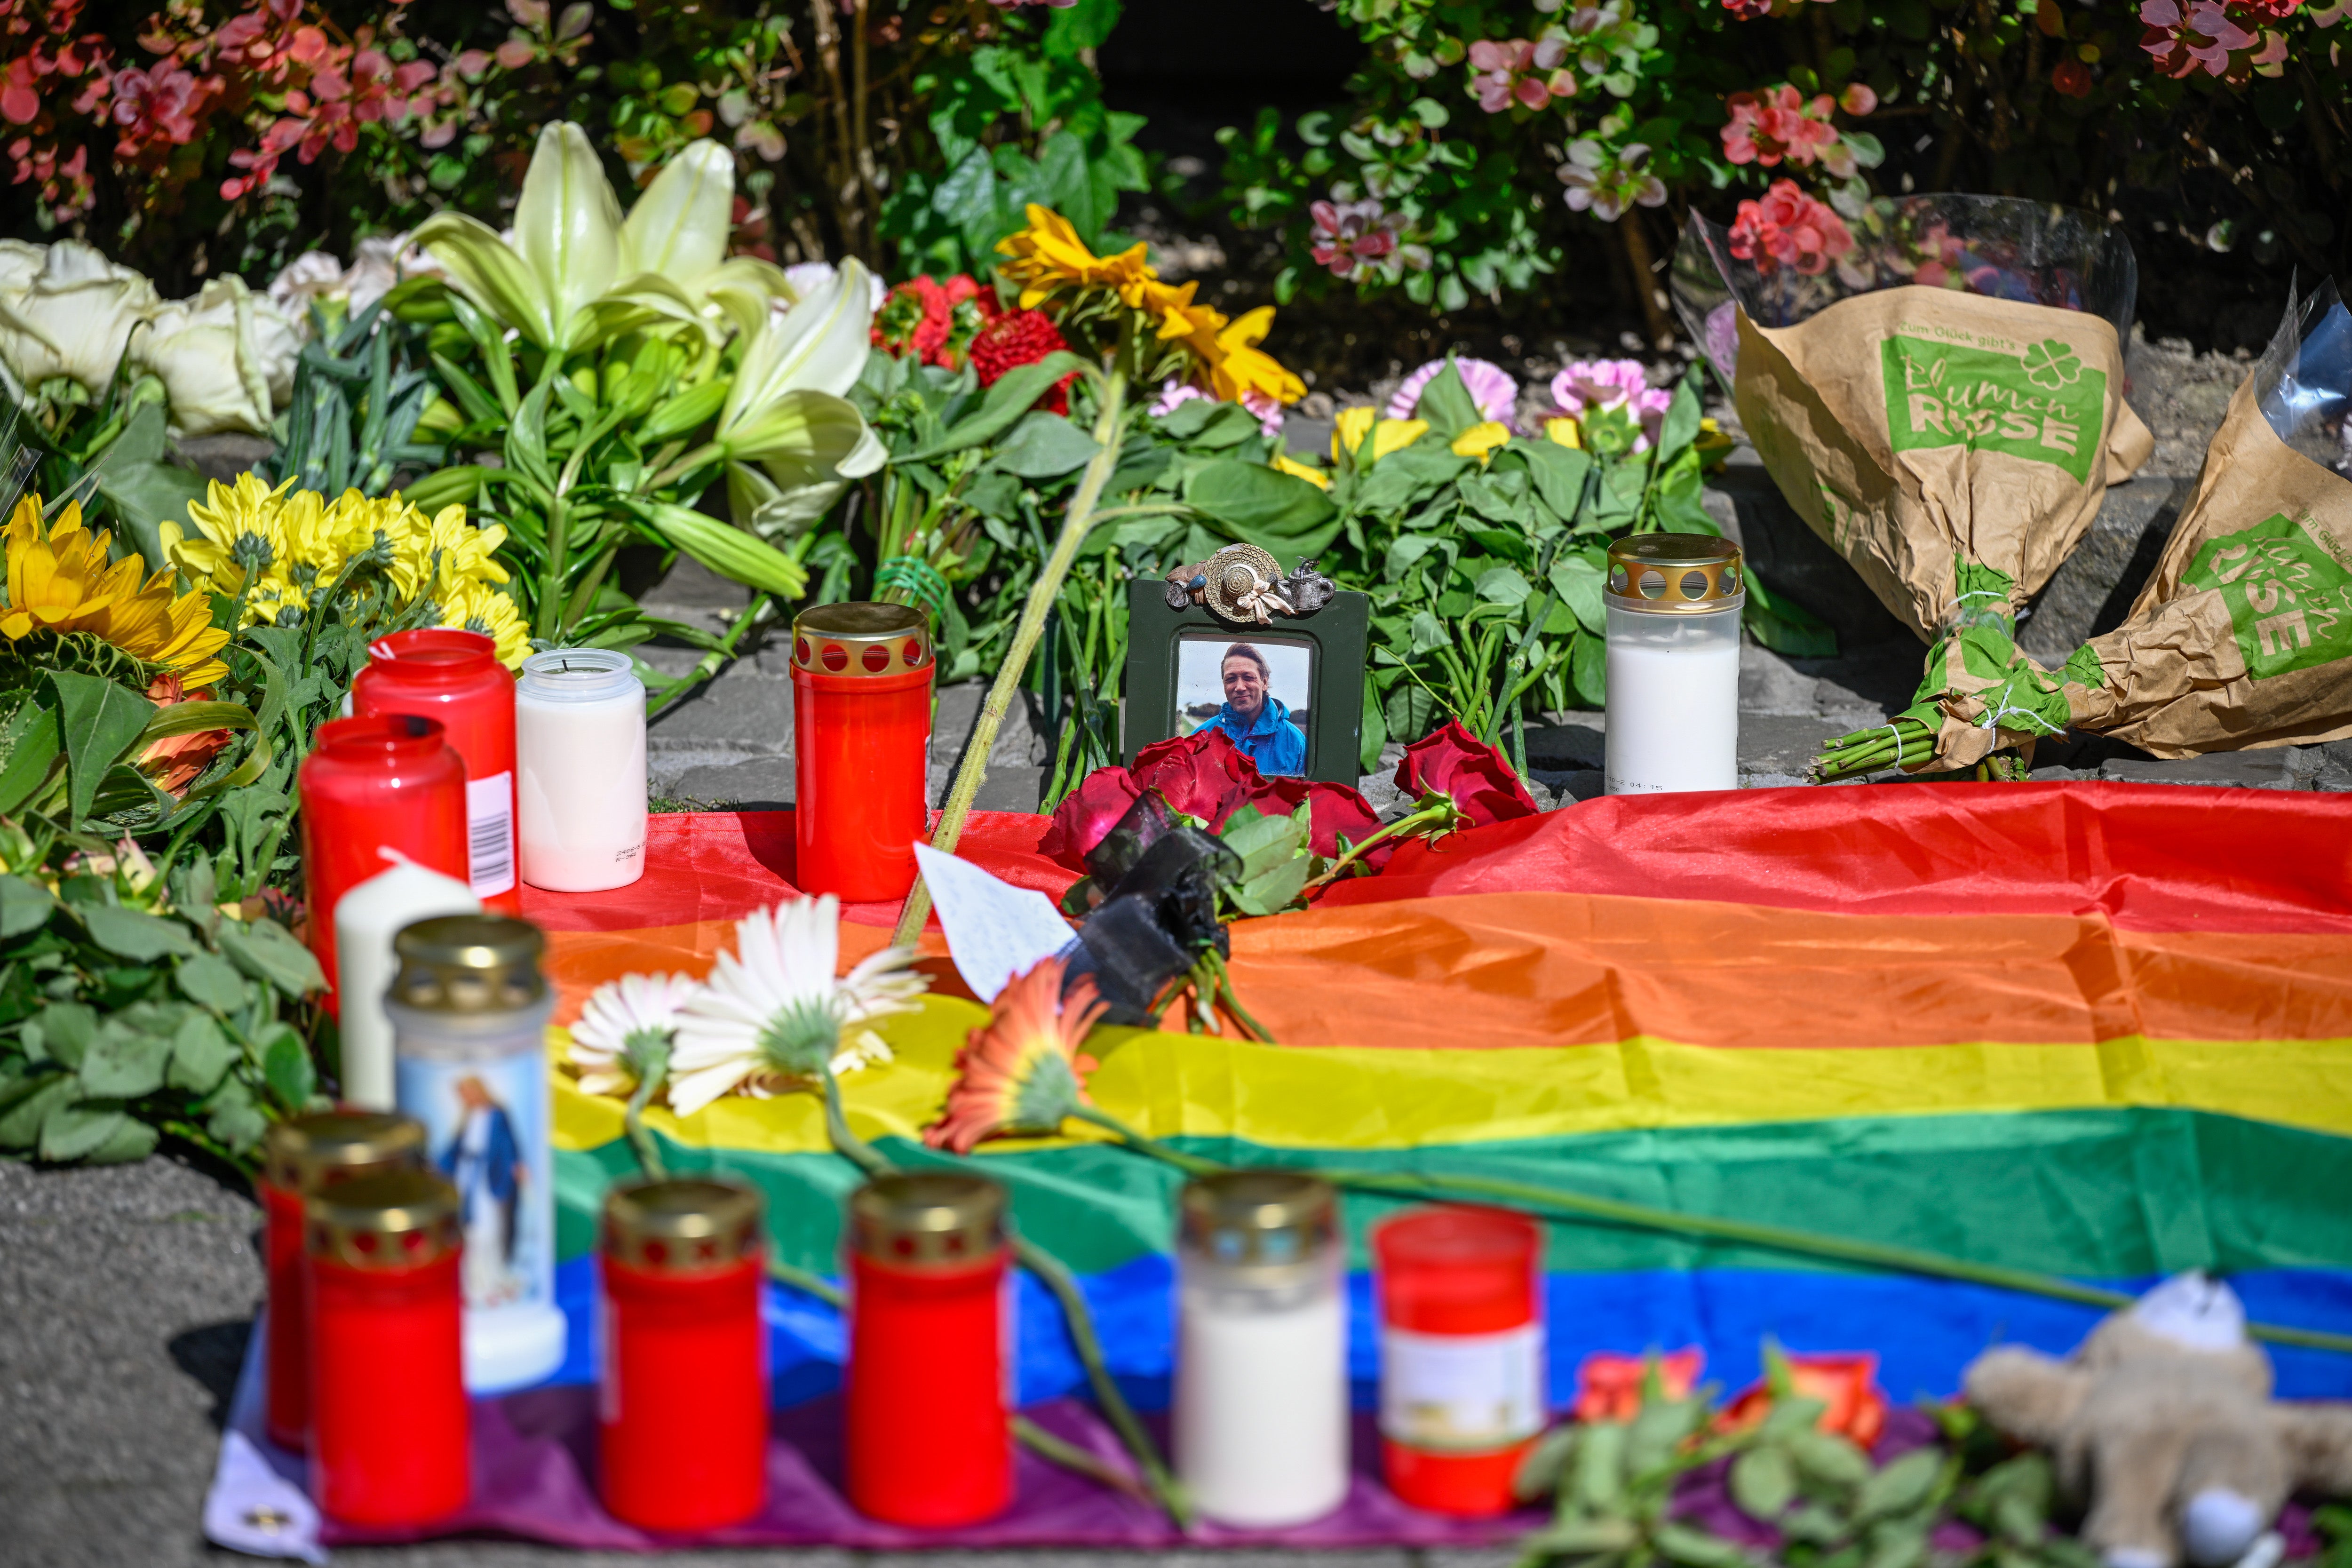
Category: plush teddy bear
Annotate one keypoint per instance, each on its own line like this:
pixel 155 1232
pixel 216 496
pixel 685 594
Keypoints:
pixel 2163 1420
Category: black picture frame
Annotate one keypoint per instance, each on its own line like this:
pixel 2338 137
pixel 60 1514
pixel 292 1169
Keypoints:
pixel 1338 634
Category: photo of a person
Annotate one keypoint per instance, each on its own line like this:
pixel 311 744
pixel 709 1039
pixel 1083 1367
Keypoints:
pixel 1257 720
pixel 484 1160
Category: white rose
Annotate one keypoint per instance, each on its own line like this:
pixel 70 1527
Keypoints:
pixel 209 353
pixel 72 317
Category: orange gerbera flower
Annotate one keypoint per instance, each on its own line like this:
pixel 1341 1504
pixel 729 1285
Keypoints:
pixel 1021 1072
pixel 1609 1385
pixel 1846 1384
pixel 176 762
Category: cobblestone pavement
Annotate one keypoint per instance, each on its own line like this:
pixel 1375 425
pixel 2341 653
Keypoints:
pixel 127 1293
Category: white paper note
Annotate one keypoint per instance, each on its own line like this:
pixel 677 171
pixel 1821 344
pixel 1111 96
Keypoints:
pixel 994 930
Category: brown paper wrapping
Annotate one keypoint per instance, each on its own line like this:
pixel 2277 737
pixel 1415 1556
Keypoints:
pixel 2243 638
pixel 1915 428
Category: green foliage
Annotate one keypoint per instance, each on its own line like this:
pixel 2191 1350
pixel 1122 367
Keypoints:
pixel 359 392
pixel 133 1003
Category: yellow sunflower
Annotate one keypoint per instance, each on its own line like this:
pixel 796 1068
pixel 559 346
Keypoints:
pixel 1048 257
pixel 59 582
pixel 1238 366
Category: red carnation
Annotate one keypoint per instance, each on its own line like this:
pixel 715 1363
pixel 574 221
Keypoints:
pixel 1017 338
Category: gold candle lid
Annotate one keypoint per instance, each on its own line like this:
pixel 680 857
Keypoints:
pixel 1675 573
pixel 685 1225
pixel 861 639
pixel 468 964
pixel 303 1153
pixel 397 1220
pixel 928 1219
pixel 1257 1218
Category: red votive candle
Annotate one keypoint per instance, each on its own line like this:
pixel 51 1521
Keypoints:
pixel 389 1442
pixel 928 1428
pixel 683 1400
pixel 1461 1362
pixel 368 786
pixel 453 676
pixel 299 1158
pixel 861 747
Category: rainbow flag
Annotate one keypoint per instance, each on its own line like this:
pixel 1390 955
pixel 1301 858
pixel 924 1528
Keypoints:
pixel 2103 1031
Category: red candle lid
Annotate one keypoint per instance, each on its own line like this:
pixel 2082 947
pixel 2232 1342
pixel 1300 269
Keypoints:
pixel 1456 1271
pixel 863 639
pixel 381 736
pixel 431 653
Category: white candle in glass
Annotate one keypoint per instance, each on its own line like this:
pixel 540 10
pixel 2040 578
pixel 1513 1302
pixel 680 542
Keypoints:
pixel 1674 603
pixel 580 767
pixel 1260 1395
pixel 367 918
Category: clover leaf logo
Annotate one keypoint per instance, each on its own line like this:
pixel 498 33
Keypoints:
pixel 2051 364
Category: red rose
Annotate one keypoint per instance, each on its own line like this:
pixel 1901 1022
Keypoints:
pixel 1017 338
pixel 1332 809
pixel 1086 814
pixel 1202 774
pixel 1480 778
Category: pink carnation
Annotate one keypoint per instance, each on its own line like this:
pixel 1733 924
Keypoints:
pixel 1593 385
pixel 1491 388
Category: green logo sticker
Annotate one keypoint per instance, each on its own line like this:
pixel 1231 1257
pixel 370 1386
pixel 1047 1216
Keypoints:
pixel 2290 601
pixel 2044 405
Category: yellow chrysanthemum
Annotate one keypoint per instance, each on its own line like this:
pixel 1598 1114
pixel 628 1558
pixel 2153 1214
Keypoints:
pixel 1298 470
pixel 1349 428
pixel 478 607
pixel 60 582
pixel 1480 440
pixel 1048 257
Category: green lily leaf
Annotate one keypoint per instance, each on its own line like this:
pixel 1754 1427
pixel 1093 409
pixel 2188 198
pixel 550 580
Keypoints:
pixel 728 550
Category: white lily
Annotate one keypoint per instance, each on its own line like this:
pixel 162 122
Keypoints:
pixel 574 272
pixel 71 316
pixel 773 1016
pixel 224 358
pixel 791 437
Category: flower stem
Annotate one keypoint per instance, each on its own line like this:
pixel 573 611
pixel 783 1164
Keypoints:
pixel 1076 523
pixel 1562 1202
pixel 1413 821
pixel 1225 993
pixel 633 1122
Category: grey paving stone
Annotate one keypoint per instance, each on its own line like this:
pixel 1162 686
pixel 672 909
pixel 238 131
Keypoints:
pixel 127 1292
pixel 740 707
pixel 2273 768
pixel 1775 749
pixel 755 783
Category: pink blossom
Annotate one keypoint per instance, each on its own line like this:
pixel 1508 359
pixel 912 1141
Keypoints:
pixel 1517 71
pixel 1790 228
pixel 1595 385
pixel 1268 409
pixel 1491 388
pixel 2181 40
pixel 1173 394
pixel 1351 233
pixel 1778 122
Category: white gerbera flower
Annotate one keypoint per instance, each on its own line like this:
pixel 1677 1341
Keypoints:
pixel 623 1032
pixel 773 1016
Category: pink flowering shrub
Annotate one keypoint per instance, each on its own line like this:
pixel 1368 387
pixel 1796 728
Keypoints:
pixel 1790 228
pixel 1777 122
pixel 1518 72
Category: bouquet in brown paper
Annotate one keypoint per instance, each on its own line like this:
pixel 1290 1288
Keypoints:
pixel 2243 636
pixel 1934 383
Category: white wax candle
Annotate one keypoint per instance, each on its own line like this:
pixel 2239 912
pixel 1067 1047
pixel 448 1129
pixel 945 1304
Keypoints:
pixel 367 918
pixel 579 765
pixel 1674 701
pixel 1261 1397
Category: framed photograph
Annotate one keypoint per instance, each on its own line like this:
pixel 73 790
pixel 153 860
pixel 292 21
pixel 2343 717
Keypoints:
pixel 1289 693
